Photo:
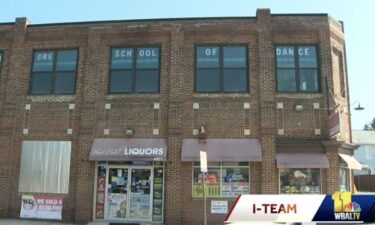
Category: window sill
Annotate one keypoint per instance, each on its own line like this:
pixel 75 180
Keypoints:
pixel 216 95
pixel 297 95
pixel 51 98
pixel 133 95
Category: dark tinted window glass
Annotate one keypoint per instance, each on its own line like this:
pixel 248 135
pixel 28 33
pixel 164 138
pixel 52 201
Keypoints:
pixel 307 56
pixel 235 80
pixel 134 70
pixel 208 80
pixel 122 58
pixel 54 72
pixel 285 56
pixel 121 81
pixel 286 80
pixel 147 81
pixel 208 57
pixel 41 83
pixel 308 80
pixel 43 61
pixel 235 57
pixel 65 82
pixel 66 60
pixel 297 68
pixel 147 58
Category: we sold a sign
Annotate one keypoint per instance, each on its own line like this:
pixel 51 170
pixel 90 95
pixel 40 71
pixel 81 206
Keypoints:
pixel 41 207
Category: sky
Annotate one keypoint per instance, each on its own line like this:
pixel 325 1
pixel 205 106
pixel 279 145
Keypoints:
pixel 358 17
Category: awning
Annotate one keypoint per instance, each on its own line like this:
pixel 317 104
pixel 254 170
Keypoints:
pixel 129 149
pixel 302 160
pixel 234 150
pixel 351 161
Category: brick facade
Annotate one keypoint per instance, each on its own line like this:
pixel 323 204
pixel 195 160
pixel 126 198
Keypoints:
pixel 222 114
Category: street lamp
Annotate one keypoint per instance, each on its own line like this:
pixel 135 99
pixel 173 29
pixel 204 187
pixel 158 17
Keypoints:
pixel 359 107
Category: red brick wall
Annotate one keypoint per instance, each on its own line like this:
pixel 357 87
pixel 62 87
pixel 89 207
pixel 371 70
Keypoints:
pixel 222 114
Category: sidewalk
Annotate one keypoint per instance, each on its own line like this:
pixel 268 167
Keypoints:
pixel 30 222
pixel 33 222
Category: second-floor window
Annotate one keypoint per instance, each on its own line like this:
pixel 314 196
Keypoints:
pixel 54 72
pixel 221 69
pixel 297 69
pixel 134 70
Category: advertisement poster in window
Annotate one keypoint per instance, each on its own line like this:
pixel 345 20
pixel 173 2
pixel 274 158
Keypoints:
pixel 212 185
pixel 100 197
pixel 41 207
pixel 117 205
pixel 234 184
pixel 140 206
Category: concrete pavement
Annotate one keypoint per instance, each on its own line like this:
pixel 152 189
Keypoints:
pixel 30 222
pixel 39 222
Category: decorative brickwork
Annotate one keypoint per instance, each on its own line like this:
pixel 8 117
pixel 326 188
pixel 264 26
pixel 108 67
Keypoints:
pixel 222 114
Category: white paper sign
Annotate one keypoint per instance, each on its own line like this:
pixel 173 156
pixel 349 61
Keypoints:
pixel 219 207
pixel 203 159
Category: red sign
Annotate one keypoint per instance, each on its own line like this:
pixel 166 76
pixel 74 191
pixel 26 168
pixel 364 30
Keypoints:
pixel 334 124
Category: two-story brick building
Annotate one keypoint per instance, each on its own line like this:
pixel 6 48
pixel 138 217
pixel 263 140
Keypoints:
pixel 109 114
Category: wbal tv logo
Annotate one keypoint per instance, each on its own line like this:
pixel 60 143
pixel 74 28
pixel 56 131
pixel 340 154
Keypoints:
pixel 344 208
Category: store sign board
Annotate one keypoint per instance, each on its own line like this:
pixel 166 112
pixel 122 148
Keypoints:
pixel 334 124
pixel 41 207
pixel 149 149
pixel 203 160
pixel 219 207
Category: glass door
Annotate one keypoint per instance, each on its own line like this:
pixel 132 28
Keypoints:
pixel 117 194
pixel 140 193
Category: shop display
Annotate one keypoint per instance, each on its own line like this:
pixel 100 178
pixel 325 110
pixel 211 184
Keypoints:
pixel 300 181
pixel 234 181
pixel 100 192
pixel 158 195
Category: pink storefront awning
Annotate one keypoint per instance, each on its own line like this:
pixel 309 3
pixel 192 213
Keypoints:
pixel 302 160
pixel 220 149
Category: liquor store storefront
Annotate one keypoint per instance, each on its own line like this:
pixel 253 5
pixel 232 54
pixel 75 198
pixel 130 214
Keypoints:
pixel 129 180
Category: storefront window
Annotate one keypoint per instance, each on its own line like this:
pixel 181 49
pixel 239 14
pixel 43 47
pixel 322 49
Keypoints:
pixel 344 181
pixel 300 181
pixel 226 179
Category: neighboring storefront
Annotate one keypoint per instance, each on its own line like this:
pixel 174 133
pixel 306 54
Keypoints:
pixel 129 184
pixel 300 173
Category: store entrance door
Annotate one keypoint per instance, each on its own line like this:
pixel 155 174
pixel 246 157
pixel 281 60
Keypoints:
pixel 117 193
pixel 140 194
pixel 129 193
